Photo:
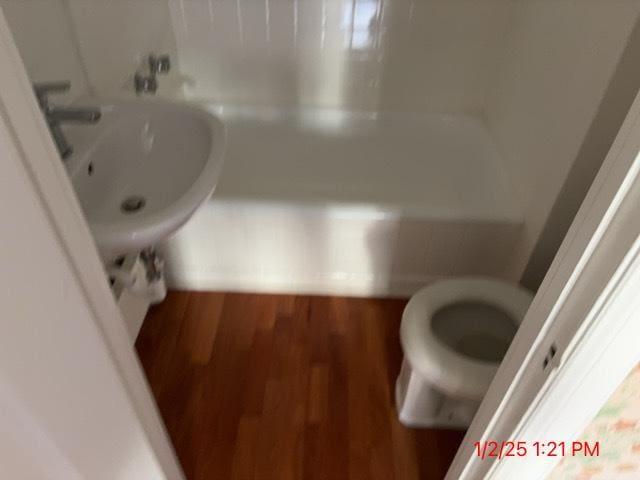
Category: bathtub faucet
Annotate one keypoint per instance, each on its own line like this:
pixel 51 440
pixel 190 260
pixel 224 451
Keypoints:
pixel 55 116
pixel 156 65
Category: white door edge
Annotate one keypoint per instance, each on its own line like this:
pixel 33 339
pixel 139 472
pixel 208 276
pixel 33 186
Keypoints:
pixel 30 137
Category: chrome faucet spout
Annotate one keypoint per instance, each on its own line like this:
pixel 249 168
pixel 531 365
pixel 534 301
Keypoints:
pixel 75 115
pixel 64 149
pixel 55 116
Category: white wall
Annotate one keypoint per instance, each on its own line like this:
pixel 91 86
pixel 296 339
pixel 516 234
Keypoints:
pixel 438 55
pixel 44 34
pixel 560 58
pixel 115 36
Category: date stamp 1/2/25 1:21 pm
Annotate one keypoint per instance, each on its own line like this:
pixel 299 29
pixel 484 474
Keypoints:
pixel 505 449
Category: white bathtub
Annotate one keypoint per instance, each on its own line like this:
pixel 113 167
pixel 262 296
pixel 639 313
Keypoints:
pixel 330 202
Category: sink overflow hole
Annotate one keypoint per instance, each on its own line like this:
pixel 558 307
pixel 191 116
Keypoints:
pixel 90 169
pixel 133 204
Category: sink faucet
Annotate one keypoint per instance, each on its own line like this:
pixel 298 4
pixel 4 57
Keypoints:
pixel 55 116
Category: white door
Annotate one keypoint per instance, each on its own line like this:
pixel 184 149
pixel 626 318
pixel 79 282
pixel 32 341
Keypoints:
pixel 74 402
pixel 579 338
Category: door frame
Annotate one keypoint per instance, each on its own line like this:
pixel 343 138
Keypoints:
pixel 585 309
pixel 53 193
pixel 589 281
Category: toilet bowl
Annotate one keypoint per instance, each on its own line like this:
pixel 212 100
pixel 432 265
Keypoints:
pixel 454 334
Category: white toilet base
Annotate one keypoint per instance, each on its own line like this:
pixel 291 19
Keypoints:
pixel 420 405
pixel 447 370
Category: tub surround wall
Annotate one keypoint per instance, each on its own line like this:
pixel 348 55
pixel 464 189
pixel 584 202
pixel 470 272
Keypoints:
pixel 115 37
pixel 435 55
pixel 354 54
pixel 44 33
pixel 560 60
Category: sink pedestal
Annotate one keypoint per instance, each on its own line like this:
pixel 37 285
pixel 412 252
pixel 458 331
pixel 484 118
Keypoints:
pixel 137 284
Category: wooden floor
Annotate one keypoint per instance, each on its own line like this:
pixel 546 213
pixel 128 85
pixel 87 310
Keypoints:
pixel 285 387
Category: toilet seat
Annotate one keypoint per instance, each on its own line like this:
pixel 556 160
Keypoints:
pixel 453 373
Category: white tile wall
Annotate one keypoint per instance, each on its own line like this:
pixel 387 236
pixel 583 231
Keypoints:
pixel 438 55
pixel 114 36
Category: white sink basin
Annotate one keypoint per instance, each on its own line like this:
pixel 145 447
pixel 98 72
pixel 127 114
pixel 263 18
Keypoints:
pixel 143 169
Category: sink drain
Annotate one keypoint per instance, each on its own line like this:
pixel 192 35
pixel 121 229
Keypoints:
pixel 133 204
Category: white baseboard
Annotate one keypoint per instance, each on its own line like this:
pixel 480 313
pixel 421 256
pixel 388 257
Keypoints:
pixel 330 284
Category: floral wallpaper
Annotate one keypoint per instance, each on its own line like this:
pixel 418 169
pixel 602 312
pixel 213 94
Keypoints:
pixel 617 429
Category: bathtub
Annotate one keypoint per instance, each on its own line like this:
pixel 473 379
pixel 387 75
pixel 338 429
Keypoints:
pixel 348 203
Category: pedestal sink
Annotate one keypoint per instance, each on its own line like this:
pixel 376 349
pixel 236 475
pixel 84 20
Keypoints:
pixel 143 170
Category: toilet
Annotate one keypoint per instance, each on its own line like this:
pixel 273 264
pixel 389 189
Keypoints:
pixel 454 334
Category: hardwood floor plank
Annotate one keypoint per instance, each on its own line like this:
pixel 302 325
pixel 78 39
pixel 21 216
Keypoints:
pixel 285 387
pixel 157 341
pixel 200 325
pixel 405 453
pixel 244 456
pixel 318 394
pixel 336 440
